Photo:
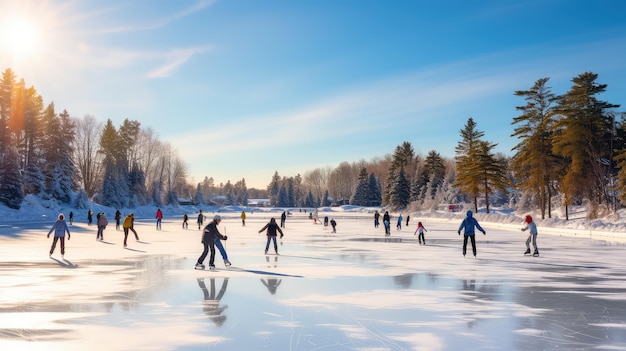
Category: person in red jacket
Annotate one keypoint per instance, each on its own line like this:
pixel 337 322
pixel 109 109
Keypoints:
pixel 159 217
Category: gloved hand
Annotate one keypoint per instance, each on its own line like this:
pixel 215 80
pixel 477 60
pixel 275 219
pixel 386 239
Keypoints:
pixel 48 236
pixel 225 238
pixel 68 238
pixel 281 236
pixel 459 232
pixel 484 232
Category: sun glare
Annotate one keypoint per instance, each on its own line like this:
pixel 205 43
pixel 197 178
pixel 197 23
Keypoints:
pixel 20 38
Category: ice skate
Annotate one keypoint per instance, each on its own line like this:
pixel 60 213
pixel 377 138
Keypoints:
pixel 199 266
pixel 527 252
pixel 536 254
pixel 212 267
pixel 227 263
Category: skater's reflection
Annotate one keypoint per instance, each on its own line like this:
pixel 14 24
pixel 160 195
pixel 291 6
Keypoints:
pixel 269 265
pixel 211 303
pixel 272 284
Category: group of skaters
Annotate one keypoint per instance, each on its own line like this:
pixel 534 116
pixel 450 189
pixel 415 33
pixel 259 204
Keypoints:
pixel 212 237
pixel 60 228
pixel 469 225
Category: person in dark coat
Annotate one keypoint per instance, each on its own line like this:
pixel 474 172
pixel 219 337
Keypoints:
pixel 272 228
pixel 283 218
pixel 208 241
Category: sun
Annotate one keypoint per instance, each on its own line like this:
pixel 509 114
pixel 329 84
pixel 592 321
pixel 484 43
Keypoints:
pixel 20 38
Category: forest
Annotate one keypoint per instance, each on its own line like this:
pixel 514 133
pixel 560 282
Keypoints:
pixel 571 150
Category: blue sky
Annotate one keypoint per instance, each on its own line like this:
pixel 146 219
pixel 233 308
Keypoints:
pixel 245 88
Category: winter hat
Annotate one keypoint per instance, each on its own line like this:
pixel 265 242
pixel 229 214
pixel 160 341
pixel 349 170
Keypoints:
pixel 528 219
pixel 217 218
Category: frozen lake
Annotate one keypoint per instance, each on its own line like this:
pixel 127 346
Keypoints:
pixel 353 290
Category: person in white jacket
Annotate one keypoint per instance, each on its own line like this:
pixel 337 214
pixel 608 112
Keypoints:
pixel 532 228
pixel 59 228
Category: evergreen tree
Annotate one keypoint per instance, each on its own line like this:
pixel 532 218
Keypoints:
pixel 283 198
pixel 10 179
pixel 403 156
pixel 326 201
pixel 33 180
pixel 582 136
pixel 468 172
pixel 492 176
pixel 81 201
pixel 374 194
pixel 273 188
pixel 534 165
pixel 400 191
pixel 310 200
pixel 360 195
pixel 199 198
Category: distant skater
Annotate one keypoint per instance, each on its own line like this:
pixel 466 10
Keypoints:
pixel 89 217
pixel 102 224
pixel 209 235
pixel 118 218
pixel 59 228
pixel 71 217
pixel 387 223
pixel 532 228
pixel 407 219
pixel 159 218
pixel 333 224
pixel 376 219
pixel 243 218
pixel 420 230
pixel 399 225
pixel 129 223
pixel 185 221
pixel 200 219
pixel 283 218
pixel 468 224
pixel 272 228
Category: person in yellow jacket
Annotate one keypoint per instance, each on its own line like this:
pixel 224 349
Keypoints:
pixel 129 222
pixel 243 218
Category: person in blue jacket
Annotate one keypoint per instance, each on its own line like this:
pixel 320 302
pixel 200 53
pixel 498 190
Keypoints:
pixel 468 225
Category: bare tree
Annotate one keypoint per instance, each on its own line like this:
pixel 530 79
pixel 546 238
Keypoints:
pixel 342 181
pixel 316 181
pixel 88 159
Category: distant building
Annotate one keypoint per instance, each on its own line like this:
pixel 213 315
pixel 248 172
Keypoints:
pixel 259 202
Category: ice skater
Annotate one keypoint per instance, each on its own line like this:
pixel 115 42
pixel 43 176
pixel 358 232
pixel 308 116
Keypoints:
pixel 271 228
pixel 387 223
pixel 243 218
pixel 118 218
pixel 208 241
pixel 185 221
pixel 59 228
pixel 128 225
pixel 376 219
pixel 102 225
pixel 420 230
pixel 159 218
pixel 200 219
pixel 532 228
pixel 468 224
pixel 333 224
pixel 399 224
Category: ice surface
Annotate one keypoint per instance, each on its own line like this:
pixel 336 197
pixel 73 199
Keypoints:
pixel 353 290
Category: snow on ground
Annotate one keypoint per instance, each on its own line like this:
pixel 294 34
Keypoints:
pixel 351 290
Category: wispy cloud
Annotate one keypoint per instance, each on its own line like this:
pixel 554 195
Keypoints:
pixel 158 22
pixel 174 59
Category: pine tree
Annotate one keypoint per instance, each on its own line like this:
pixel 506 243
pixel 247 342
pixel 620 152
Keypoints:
pixel 400 193
pixel 534 164
pixel 283 198
pixel 199 197
pixel 34 180
pixel 492 175
pixel 582 136
pixel 468 171
pixel 10 179
pixel 403 157
pixel 374 191
pixel 273 188
pixel 360 195
pixel 326 201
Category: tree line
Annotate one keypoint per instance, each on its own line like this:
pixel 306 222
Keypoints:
pixel 571 151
